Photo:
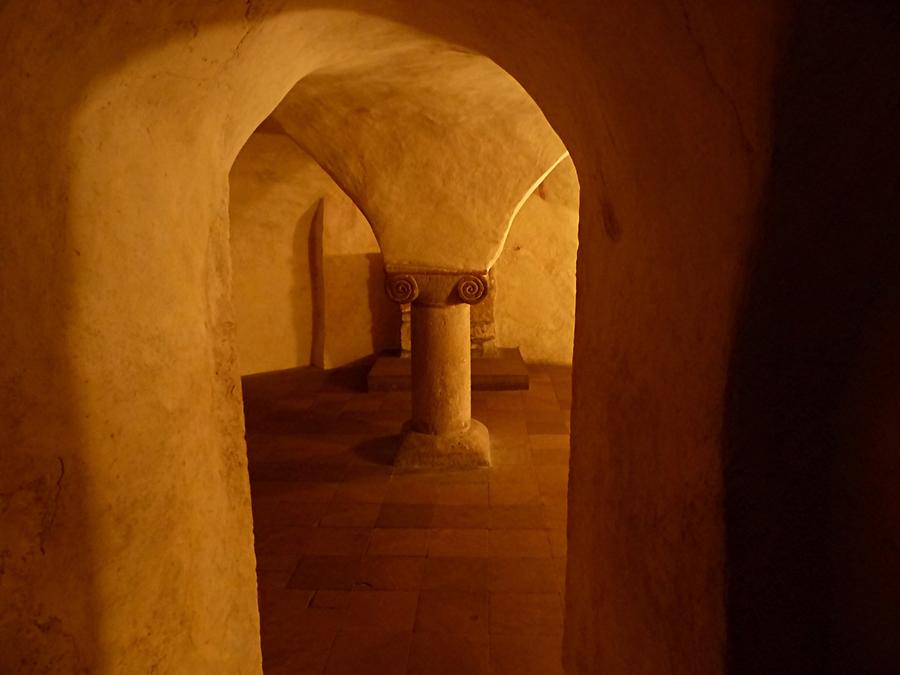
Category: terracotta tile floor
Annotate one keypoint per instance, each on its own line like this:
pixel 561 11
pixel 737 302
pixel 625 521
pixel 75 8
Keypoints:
pixel 363 572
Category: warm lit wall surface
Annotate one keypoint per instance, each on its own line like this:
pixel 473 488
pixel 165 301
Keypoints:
pixel 275 191
pixel 437 146
pixel 307 285
pixel 535 305
pixel 126 522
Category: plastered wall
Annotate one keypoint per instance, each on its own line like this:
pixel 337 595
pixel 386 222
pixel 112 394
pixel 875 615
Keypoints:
pixel 308 283
pixel 275 191
pixel 535 307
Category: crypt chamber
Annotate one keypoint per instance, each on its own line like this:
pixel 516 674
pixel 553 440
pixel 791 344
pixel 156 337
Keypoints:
pixel 421 338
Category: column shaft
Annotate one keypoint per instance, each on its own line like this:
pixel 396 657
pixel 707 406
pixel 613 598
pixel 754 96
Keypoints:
pixel 441 369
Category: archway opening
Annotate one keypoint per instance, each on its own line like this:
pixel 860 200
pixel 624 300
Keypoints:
pixel 355 561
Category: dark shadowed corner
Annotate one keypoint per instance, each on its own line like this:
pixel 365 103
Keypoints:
pixel 811 532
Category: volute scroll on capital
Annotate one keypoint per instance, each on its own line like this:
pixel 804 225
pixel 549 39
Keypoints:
pixel 472 288
pixel 436 287
pixel 401 288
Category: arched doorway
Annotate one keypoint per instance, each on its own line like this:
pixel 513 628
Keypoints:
pixel 362 568
pixel 125 125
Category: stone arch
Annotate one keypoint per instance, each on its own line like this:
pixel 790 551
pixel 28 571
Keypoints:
pixel 437 147
pixel 176 118
pixel 118 91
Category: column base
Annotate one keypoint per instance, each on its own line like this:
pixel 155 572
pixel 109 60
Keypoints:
pixel 467 449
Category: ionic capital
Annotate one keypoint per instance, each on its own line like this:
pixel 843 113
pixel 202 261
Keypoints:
pixel 436 287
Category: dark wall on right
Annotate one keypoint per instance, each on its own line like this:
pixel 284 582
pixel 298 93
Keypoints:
pixel 813 425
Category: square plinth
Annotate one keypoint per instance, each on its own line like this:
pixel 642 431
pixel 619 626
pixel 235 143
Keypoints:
pixel 506 371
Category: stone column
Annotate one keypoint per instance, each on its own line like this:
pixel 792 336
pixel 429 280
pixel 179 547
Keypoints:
pixel 405 330
pixel 441 433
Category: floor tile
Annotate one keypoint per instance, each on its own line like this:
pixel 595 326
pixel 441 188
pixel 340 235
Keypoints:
pixel 476 494
pixel 324 572
pixel 273 579
pixel 520 544
pixel 558 543
pixel 506 400
pixel 510 452
pixel 559 565
pixel 506 425
pixel 284 606
pixel 550 456
pixel 330 599
pixel 337 541
pixel 442 654
pixel 370 489
pixel 506 494
pixel 288 541
pixel 350 515
pixel 517 517
pixel 276 562
pixel 524 575
pixel 526 655
pixel 462 574
pixel 461 517
pixel 548 441
pixel 369 652
pixel 553 481
pixel 480 475
pixel 459 543
pixel 547 423
pixel 390 573
pixel 453 612
pixel 299 492
pixel 526 613
pixel 271 513
pixel 513 474
pixel 382 610
pixel 363 404
pixel 303 652
pixel 284 614
pixel 398 541
pixel 405 516
pixel 412 492
pixel 555 516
